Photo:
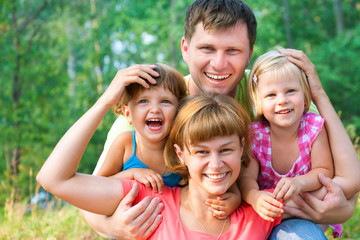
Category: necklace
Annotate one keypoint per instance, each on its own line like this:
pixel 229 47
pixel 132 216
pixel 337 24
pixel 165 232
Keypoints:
pixel 198 221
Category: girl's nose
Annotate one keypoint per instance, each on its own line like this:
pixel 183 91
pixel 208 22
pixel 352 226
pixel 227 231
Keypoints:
pixel 282 99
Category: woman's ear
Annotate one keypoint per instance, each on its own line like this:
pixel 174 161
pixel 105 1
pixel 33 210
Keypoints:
pixel 179 153
pixel 126 112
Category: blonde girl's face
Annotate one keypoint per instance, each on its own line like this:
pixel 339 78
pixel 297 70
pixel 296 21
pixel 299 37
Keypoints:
pixel 213 165
pixel 152 112
pixel 282 99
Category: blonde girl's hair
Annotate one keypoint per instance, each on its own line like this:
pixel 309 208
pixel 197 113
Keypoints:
pixel 276 63
pixel 202 118
pixel 168 78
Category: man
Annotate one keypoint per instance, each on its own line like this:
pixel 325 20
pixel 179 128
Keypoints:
pixel 218 45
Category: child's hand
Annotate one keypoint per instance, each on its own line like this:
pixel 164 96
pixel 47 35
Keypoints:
pixel 267 206
pixel 287 188
pixel 151 179
pixel 224 205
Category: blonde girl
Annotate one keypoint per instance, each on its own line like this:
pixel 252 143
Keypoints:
pixel 290 144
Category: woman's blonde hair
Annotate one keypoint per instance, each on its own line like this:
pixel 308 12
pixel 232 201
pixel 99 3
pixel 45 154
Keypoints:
pixel 201 118
pixel 168 78
pixel 276 63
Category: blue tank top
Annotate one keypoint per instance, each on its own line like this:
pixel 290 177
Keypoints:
pixel 171 179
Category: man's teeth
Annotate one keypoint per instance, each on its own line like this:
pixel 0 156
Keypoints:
pixel 286 111
pixel 217 77
pixel 216 176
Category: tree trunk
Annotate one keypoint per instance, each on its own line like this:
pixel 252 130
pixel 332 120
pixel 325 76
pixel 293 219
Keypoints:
pixel 98 65
pixel 13 148
pixel 288 24
pixel 14 151
pixel 172 40
pixel 339 19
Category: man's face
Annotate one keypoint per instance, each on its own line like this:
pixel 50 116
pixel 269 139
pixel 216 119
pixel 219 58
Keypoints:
pixel 217 59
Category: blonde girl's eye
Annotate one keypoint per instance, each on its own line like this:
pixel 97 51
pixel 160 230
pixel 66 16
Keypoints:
pixel 290 90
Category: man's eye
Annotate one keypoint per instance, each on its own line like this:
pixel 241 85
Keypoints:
pixel 233 51
pixel 207 49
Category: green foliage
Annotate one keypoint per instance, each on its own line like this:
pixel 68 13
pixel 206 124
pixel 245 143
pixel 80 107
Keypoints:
pixel 337 63
pixel 68 52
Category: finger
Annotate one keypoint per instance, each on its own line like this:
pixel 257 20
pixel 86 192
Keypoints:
pixel 273 202
pixel 144 209
pixel 271 210
pixel 224 196
pixel 148 73
pixel 278 187
pixel 218 207
pixel 264 216
pixel 153 182
pixel 297 54
pixel 328 183
pixel 218 213
pixel 160 182
pixel 147 183
pixel 289 194
pixel 153 226
pixel 308 204
pixel 152 222
pixel 129 199
pixel 210 202
pixel 282 192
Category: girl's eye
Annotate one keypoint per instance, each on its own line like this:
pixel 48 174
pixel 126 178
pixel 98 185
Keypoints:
pixel 201 152
pixel 143 101
pixel 271 95
pixel 165 101
pixel 290 91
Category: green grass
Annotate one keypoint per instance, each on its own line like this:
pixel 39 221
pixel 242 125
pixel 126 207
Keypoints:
pixel 54 222
pixel 351 229
pixel 65 222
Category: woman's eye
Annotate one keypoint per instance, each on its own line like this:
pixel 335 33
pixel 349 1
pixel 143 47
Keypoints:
pixel 225 150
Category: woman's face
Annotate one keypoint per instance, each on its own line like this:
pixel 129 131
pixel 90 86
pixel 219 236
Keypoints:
pixel 213 165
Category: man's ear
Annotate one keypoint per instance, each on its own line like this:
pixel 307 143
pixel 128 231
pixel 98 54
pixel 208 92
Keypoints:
pixel 185 49
pixel 179 153
pixel 126 112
